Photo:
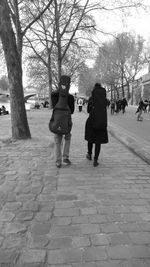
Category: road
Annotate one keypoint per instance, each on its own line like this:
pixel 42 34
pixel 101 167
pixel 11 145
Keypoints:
pixel 128 122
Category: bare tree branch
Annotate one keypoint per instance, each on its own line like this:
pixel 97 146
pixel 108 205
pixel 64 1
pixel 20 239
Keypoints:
pixel 41 13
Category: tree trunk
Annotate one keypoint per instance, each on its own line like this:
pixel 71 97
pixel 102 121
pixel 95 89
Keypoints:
pixel 20 128
pixel 128 90
pixel 49 80
pixel 122 79
pixel 59 61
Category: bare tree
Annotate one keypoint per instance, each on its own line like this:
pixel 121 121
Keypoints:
pixel 12 45
pixel 120 60
pixel 56 39
pixel 20 128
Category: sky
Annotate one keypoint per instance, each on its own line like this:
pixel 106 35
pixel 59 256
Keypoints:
pixel 113 23
pixel 138 22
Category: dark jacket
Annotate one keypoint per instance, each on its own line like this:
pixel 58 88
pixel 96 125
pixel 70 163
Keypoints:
pixel 55 97
pixel 96 124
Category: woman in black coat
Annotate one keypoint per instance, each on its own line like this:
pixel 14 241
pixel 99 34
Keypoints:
pixel 96 124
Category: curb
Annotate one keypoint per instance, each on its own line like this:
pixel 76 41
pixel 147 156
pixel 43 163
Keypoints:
pixel 138 146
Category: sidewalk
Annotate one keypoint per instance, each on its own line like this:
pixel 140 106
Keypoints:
pixel 138 146
pixel 76 216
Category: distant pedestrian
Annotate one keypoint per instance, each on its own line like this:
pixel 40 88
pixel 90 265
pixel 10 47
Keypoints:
pixel 124 104
pixel 117 106
pixel 4 111
pixel 112 107
pixel 96 124
pixel 108 103
pixel 80 104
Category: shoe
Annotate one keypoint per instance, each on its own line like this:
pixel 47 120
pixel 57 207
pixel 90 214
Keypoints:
pixel 95 163
pixel 89 156
pixel 67 161
pixel 58 164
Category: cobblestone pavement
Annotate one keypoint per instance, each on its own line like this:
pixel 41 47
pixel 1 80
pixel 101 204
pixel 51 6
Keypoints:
pixel 76 216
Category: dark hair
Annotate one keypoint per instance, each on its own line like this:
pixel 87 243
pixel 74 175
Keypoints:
pixel 65 80
pixel 97 85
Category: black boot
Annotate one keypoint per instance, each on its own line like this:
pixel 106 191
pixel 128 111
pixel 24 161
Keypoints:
pixel 89 156
pixel 95 163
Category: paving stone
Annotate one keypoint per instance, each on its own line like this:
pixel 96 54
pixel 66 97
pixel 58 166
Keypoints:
pixel 114 217
pixel 46 197
pixel 80 242
pixel 100 240
pixel 14 228
pixel 64 256
pixel 145 216
pixel 60 265
pixel 144 226
pixel 23 189
pixel 129 227
pixel 12 241
pixel 136 263
pixel 25 197
pixel 38 241
pixel 6 216
pixel 140 251
pixel 8 257
pixel 141 209
pixel 66 212
pixel 119 239
pixel 11 172
pixel 61 220
pixel 60 243
pixel 40 228
pixel 66 197
pixel 31 206
pixel 24 216
pixel 80 220
pixel 43 216
pixel 91 264
pixel 46 206
pixel 90 228
pixel 12 206
pixel 65 230
pixel 36 189
pixel 132 217
pixel 97 219
pixel 119 252
pixel 94 254
pixel 140 238
pixel 32 256
pixel 88 211
pixel 64 204
pixel 109 228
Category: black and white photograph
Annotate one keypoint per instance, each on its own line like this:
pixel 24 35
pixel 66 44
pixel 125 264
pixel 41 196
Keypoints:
pixel 74 133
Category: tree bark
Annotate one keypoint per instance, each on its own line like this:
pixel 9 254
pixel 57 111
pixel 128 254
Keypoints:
pixel 20 128
pixel 59 58
pixel 49 80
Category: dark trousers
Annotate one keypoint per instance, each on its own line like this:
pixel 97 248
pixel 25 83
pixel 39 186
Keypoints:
pixel 97 150
pixel 80 108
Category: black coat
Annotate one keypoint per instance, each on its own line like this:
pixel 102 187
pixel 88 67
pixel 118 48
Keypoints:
pixel 96 124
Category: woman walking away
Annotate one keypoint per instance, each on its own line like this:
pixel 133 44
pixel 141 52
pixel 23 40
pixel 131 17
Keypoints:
pixel 96 124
